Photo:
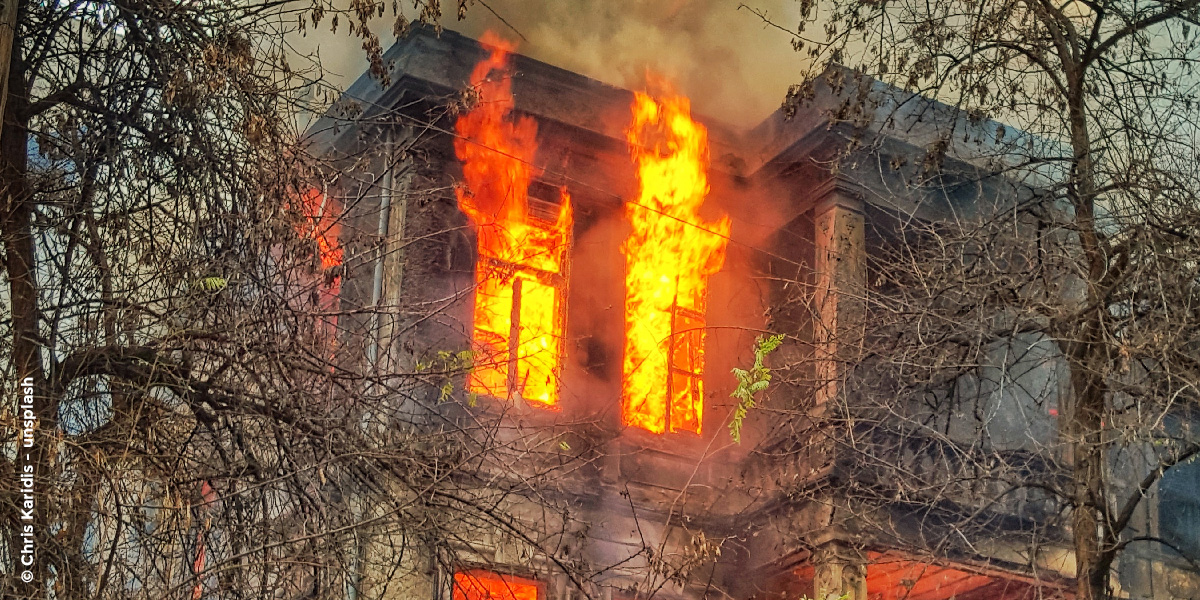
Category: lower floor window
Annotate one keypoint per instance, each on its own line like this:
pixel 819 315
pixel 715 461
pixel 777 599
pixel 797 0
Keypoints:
pixel 486 585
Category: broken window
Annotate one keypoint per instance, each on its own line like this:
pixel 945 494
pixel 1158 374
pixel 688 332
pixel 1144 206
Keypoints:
pixel 520 275
pixel 669 255
pixel 665 378
pixel 519 307
pixel 485 585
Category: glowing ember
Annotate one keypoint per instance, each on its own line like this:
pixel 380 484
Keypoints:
pixel 668 259
pixel 481 585
pixel 520 275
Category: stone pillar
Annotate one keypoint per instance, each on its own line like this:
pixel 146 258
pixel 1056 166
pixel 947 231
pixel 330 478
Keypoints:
pixel 395 186
pixel 838 298
pixel 839 571
pixel 839 567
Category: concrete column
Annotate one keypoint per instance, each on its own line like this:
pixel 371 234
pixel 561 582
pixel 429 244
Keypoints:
pixel 838 299
pixel 839 571
pixel 839 568
pixel 395 184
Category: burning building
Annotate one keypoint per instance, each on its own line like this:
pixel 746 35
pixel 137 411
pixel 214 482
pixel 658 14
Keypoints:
pixel 596 261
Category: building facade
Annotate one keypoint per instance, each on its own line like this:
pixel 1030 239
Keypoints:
pixel 641 490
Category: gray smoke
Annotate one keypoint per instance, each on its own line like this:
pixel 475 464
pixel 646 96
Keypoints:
pixel 735 68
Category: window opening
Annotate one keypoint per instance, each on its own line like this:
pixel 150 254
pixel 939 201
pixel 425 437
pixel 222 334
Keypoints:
pixel 485 585
pixel 669 256
pixel 520 274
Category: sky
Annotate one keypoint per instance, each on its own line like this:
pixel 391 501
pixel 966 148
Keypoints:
pixel 734 67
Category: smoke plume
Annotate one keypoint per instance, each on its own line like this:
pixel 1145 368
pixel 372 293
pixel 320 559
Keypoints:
pixel 735 67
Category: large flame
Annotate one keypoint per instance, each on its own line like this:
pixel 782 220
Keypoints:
pixel 668 258
pixel 482 585
pixel 321 224
pixel 522 258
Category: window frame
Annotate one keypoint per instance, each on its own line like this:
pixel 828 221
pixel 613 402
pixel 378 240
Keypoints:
pixel 509 355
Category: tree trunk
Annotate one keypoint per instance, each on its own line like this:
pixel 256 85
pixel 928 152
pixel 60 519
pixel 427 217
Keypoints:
pixel 16 230
pixel 8 33
pixel 1086 420
pixel 1088 521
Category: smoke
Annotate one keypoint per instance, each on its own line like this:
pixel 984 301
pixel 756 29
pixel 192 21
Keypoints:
pixel 735 67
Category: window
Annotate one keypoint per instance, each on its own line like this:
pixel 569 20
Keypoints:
pixel 669 255
pixel 664 353
pixel 485 585
pixel 1179 508
pixel 520 274
pixel 322 216
pixel 520 294
pixel 685 387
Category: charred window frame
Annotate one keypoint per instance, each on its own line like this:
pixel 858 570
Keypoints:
pixel 685 367
pixel 506 366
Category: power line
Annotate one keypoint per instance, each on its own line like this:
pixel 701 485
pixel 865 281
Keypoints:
pixel 583 184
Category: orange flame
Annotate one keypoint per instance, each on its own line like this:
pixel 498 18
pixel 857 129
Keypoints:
pixel 482 585
pixel 668 258
pixel 322 225
pixel 520 274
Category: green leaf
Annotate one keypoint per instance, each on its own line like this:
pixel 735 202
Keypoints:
pixel 212 284
pixel 751 382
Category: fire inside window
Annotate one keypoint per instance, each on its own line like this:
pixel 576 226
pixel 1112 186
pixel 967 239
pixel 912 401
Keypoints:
pixel 322 224
pixel 521 271
pixel 669 255
pixel 484 585
pixel 519 307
